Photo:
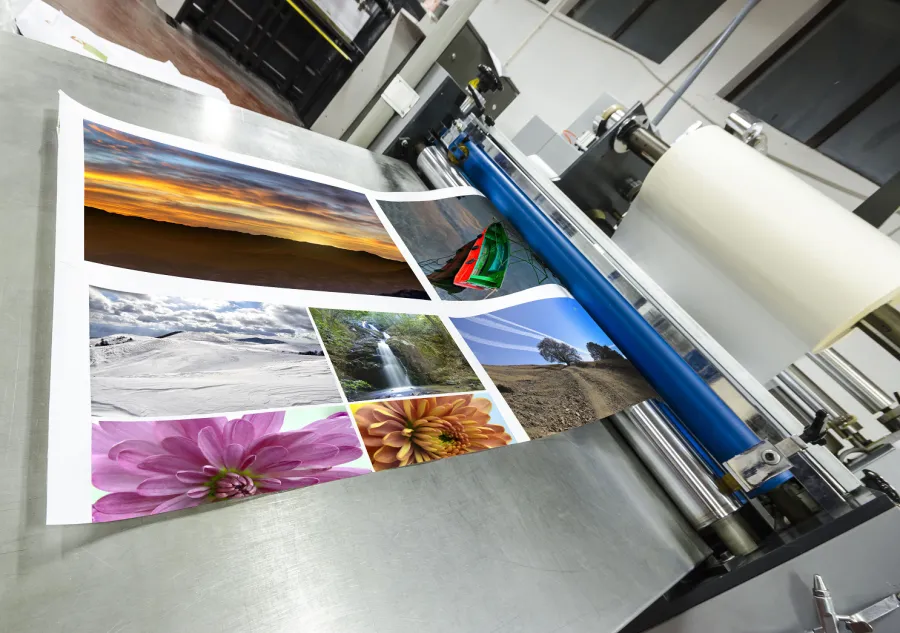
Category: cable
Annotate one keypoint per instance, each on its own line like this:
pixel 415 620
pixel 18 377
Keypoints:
pixel 318 30
pixel 710 53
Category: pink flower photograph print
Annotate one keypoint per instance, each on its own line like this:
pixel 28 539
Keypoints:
pixel 150 467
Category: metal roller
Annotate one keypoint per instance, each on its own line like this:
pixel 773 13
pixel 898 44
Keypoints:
pixel 433 163
pixel 799 408
pixel 866 392
pixel 682 475
pixel 801 386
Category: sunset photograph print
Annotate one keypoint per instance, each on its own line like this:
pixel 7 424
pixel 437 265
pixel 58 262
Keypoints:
pixel 161 209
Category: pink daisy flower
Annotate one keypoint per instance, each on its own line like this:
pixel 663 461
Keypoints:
pixel 154 467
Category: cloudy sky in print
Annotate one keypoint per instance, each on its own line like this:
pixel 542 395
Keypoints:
pixel 510 336
pixel 129 175
pixel 114 312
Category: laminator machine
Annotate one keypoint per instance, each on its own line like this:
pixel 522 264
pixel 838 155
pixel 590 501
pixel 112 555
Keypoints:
pixel 766 476
pixel 712 508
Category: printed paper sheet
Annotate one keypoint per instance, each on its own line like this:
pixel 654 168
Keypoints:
pixel 226 327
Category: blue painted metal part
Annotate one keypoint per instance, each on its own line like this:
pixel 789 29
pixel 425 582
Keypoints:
pixel 714 425
pixel 698 449
pixel 714 466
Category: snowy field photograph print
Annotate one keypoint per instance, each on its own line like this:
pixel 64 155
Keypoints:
pixel 555 368
pixel 404 432
pixel 158 208
pixel 147 467
pixel 157 355
pixel 380 355
pixel 467 250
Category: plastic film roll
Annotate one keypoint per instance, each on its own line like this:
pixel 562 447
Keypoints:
pixel 813 265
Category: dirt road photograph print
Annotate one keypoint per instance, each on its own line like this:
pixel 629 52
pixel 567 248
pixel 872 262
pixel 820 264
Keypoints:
pixel 466 248
pixel 553 365
pixel 380 355
pixel 148 467
pixel 161 209
pixel 403 432
pixel 157 355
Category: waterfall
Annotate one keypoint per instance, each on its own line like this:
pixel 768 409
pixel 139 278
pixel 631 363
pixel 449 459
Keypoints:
pixel 393 370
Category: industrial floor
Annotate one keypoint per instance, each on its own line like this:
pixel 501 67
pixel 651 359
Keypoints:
pixel 141 26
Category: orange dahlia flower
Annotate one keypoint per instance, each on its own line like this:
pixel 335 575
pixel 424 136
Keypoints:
pixel 402 432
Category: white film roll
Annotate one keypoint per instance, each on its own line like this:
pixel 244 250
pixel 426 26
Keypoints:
pixel 813 265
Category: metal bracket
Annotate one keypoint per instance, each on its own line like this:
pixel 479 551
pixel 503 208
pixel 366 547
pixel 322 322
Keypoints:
pixel 790 446
pixel 745 472
pixel 400 96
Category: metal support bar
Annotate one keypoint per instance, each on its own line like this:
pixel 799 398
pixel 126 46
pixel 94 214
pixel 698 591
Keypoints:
pixel 793 403
pixel 854 381
pixel 645 144
pixel 810 393
pixel 715 425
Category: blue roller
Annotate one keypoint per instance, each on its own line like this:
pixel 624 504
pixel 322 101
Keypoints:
pixel 714 425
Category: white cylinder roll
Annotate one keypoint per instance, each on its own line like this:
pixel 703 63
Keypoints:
pixel 812 264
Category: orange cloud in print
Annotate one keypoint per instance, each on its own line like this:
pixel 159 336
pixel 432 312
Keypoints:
pixel 132 176
pixel 403 432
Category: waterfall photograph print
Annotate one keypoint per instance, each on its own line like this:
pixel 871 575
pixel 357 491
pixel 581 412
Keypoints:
pixel 145 467
pixel 403 432
pixel 157 355
pixel 554 366
pixel 380 355
pixel 162 209
pixel 466 248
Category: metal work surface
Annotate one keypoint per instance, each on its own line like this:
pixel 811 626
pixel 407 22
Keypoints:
pixel 564 534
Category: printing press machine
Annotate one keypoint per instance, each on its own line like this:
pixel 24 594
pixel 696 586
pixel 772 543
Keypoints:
pixel 757 506
pixel 714 508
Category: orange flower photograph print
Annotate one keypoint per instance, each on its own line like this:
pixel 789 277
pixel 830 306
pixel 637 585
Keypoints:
pixel 403 432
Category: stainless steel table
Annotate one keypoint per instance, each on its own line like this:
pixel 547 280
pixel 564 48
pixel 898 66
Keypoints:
pixel 565 534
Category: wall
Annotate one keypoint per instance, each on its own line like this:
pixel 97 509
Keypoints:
pixel 9 9
pixel 561 68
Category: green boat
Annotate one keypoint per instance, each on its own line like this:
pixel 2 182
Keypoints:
pixel 479 264
pixel 487 262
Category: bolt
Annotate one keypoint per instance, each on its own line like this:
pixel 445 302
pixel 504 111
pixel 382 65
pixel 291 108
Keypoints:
pixel 453 57
pixel 771 457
